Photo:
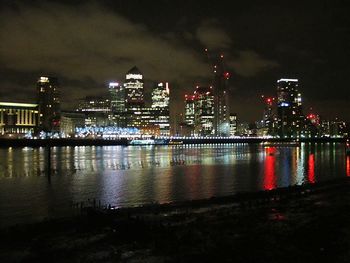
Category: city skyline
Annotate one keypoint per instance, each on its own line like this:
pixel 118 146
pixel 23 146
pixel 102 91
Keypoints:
pixel 309 46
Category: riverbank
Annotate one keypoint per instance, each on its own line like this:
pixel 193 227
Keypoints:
pixel 300 224
pixel 5 142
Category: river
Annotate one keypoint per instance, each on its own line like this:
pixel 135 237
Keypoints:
pixel 135 175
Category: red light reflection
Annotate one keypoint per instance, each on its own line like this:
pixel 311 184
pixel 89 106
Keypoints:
pixel 270 177
pixel 311 172
pixel 348 166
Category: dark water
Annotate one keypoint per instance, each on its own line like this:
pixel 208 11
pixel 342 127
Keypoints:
pixel 128 176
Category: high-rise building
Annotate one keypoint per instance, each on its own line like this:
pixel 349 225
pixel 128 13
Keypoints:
pixel 268 122
pixel 160 95
pixel 289 109
pixel 190 109
pixel 49 103
pixel 233 124
pixel 204 111
pixel 220 91
pixel 117 97
pixel 160 106
pixel 134 97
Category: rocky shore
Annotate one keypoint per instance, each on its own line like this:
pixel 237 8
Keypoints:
pixel 300 224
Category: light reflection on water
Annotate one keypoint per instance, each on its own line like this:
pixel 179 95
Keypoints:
pixel 127 176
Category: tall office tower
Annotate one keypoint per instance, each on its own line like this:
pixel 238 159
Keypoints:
pixel 117 97
pixel 134 89
pixel 160 95
pixel 160 107
pixel 289 109
pixel 189 109
pixel 204 111
pixel 221 102
pixel 220 91
pixel 49 103
pixel 233 124
pixel 268 118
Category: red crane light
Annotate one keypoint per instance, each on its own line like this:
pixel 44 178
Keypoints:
pixel 227 75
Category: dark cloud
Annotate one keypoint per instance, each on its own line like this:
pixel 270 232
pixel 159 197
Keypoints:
pixel 248 63
pixel 89 41
pixel 87 44
pixel 212 36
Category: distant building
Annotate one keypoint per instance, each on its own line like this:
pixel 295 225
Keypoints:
pixel 94 104
pixel 189 113
pixel 49 103
pixel 204 111
pixel 134 94
pixel 161 95
pixel 137 115
pixel 220 93
pixel 70 121
pixel 243 129
pixel 160 106
pixel 117 97
pixel 18 118
pixel 233 124
pixel 289 109
pixel 146 119
pixel 96 109
pixel 268 121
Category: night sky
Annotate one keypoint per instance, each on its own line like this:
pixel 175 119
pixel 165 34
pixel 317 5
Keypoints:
pixel 86 44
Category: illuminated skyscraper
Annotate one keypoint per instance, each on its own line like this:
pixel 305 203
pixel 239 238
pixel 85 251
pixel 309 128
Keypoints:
pixel 221 119
pixel 134 97
pixel 204 111
pixel 189 109
pixel 268 122
pixel 117 97
pixel 233 124
pixel 289 109
pixel 160 95
pixel 49 103
pixel 220 92
pixel 160 106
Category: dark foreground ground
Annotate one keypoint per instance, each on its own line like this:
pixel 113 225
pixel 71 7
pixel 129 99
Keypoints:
pixel 306 224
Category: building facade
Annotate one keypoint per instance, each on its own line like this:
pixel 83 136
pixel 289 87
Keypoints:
pixel 233 124
pixel 161 95
pixel 190 109
pixel 290 118
pixel 134 93
pixel 204 111
pixel 49 103
pixel 117 97
pixel 18 118
pixel 97 110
